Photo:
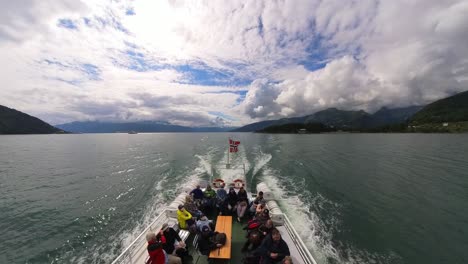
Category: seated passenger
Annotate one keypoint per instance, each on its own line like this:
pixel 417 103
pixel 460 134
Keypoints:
pixel 259 199
pixel 221 194
pixel 191 207
pixel 241 208
pixel 209 197
pixel 242 194
pixel 260 207
pixel 273 248
pixel 183 216
pixel 204 221
pixel 266 228
pixel 171 238
pixel 253 242
pixel 231 200
pixel 205 243
pixel 197 195
pixel 156 251
pixel 262 217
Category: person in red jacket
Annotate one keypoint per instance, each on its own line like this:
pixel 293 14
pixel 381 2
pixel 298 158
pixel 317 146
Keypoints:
pixel 155 250
pixel 157 255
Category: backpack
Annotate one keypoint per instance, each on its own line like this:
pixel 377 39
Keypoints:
pixel 253 225
pixel 220 238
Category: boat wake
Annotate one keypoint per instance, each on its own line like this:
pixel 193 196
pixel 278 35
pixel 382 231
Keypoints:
pixel 301 207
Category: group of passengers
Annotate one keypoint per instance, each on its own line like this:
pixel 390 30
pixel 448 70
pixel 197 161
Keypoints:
pixel 264 243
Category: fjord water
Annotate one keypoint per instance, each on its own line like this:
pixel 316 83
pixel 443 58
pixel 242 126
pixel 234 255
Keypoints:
pixel 354 198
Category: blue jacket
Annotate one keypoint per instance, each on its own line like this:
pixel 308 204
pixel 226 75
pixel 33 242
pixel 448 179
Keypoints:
pixel 197 193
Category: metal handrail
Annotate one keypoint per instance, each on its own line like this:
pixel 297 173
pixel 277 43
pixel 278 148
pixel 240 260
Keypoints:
pixel 305 253
pixel 129 252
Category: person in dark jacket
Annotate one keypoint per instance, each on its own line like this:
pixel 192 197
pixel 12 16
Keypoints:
pixel 253 242
pixel 266 228
pixel 242 195
pixel 171 237
pixel 273 248
pixel 205 242
pixel 197 195
pixel 231 200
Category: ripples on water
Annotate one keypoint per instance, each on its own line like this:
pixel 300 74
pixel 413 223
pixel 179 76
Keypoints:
pixel 354 198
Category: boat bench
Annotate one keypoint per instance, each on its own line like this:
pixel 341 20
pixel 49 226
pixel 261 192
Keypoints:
pixel 184 234
pixel 223 225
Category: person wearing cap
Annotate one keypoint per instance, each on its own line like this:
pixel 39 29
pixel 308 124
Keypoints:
pixel 171 237
pixel 156 251
pixel 259 199
pixel 205 243
pixel 204 221
pixel 182 216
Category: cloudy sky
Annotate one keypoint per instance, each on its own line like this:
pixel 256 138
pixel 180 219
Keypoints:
pixel 227 62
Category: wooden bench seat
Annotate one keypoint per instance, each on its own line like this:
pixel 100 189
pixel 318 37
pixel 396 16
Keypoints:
pixel 223 225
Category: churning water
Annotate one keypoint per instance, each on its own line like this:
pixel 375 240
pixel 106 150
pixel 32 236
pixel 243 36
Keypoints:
pixel 354 198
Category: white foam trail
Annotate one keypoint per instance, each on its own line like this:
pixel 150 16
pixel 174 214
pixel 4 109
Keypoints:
pixel 306 223
pixel 158 202
pixel 312 229
pixel 261 160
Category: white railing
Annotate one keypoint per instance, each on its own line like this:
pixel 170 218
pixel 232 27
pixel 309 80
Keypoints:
pixel 301 247
pixel 134 251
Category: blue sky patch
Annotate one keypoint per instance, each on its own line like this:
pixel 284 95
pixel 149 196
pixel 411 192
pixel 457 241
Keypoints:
pixel 92 71
pixel 66 23
pixel 196 73
pixel 201 74
pixel 130 12
pixel 138 62
pixel 222 115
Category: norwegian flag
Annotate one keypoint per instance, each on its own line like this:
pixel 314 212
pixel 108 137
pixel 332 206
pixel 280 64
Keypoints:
pixel 233 145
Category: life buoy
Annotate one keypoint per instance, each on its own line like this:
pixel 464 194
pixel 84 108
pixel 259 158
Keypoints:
pixel 218 183
pixel 238 183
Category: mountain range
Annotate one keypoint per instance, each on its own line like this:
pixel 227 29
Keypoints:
pixel 342 119
pixel 445 115
pixel 141 126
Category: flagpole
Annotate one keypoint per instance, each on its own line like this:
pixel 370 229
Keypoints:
pixel 228 165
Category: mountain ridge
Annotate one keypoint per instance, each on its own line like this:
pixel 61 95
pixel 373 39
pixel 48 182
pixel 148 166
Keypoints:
pixel 137 126
pixel 342 119
pixel 13 121
pixel 450 109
